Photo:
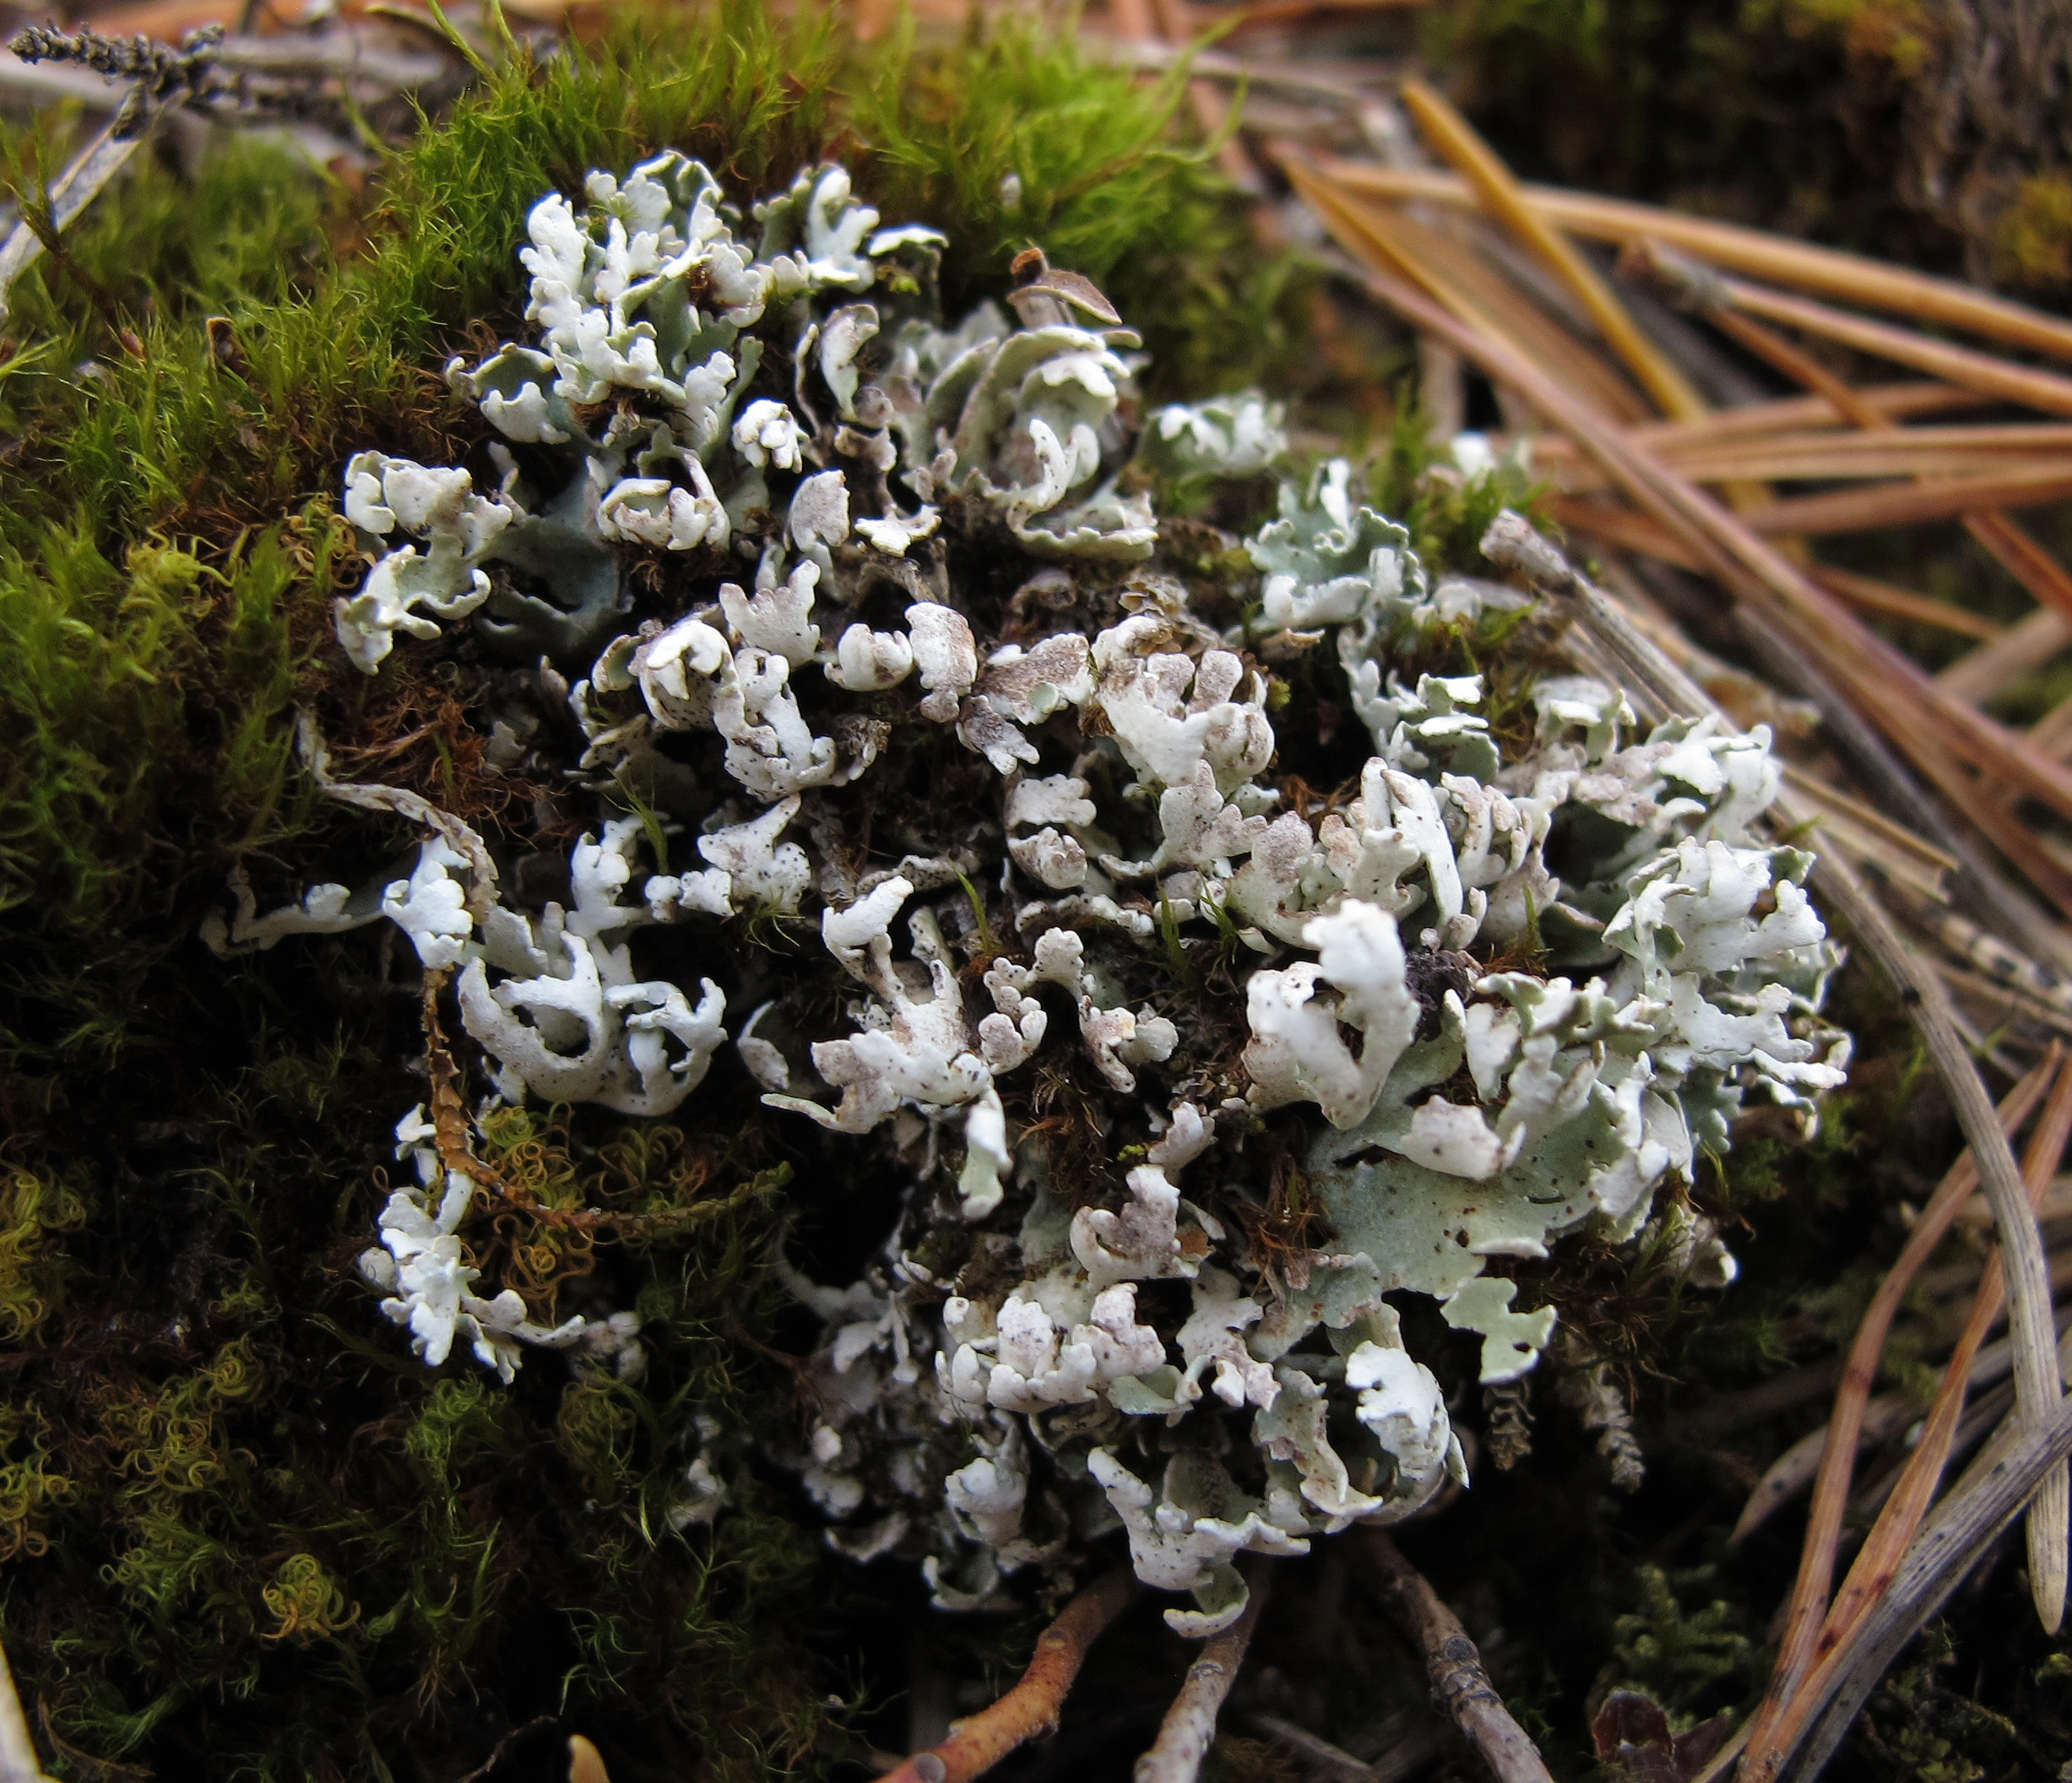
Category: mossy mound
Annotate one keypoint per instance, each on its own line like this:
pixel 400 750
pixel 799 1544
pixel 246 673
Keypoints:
pixel 246 1536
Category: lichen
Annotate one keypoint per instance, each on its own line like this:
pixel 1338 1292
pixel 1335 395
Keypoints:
pixel 1476 1001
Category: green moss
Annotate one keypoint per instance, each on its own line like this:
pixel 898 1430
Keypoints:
pixel 1689 1650
pixel 2032 237
pixel 141 717
pixel 1013 137
pixel 1411 480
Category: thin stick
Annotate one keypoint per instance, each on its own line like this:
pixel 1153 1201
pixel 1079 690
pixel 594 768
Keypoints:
pixel 1030 1710
pixel 1850 277
pixel 1992 817
pixel 1457 140
pixel 1460 1689
pixel 1189 1728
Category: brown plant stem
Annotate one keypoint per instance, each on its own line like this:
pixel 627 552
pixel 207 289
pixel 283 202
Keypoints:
pixel 1030 1709
pixel 1189 1728
pixel 1460 1689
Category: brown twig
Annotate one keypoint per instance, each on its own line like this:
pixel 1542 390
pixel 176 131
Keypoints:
pixel 1460 1689
pixel 1030 1709
pixel 1189 1725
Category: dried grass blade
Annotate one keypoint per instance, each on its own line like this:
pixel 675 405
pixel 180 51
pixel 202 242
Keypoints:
pixel 1510 542
pixel 1974 370
pixel 1920 719
pixel 1476 292
pixel 2028 644
pixel 1991 1495
pixel 2012 547
pixel 1886 451
pixel 1844 1425
pixel 1868 595
pixel 2021 556
pixel 1891 403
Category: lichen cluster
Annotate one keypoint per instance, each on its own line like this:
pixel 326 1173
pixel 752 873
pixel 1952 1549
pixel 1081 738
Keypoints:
pixel 1190 1021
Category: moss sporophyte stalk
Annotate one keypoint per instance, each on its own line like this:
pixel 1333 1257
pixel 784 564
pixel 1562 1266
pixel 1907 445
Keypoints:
pixel 1165 963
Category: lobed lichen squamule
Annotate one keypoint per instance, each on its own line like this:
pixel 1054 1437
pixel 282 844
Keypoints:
pixel 786 575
